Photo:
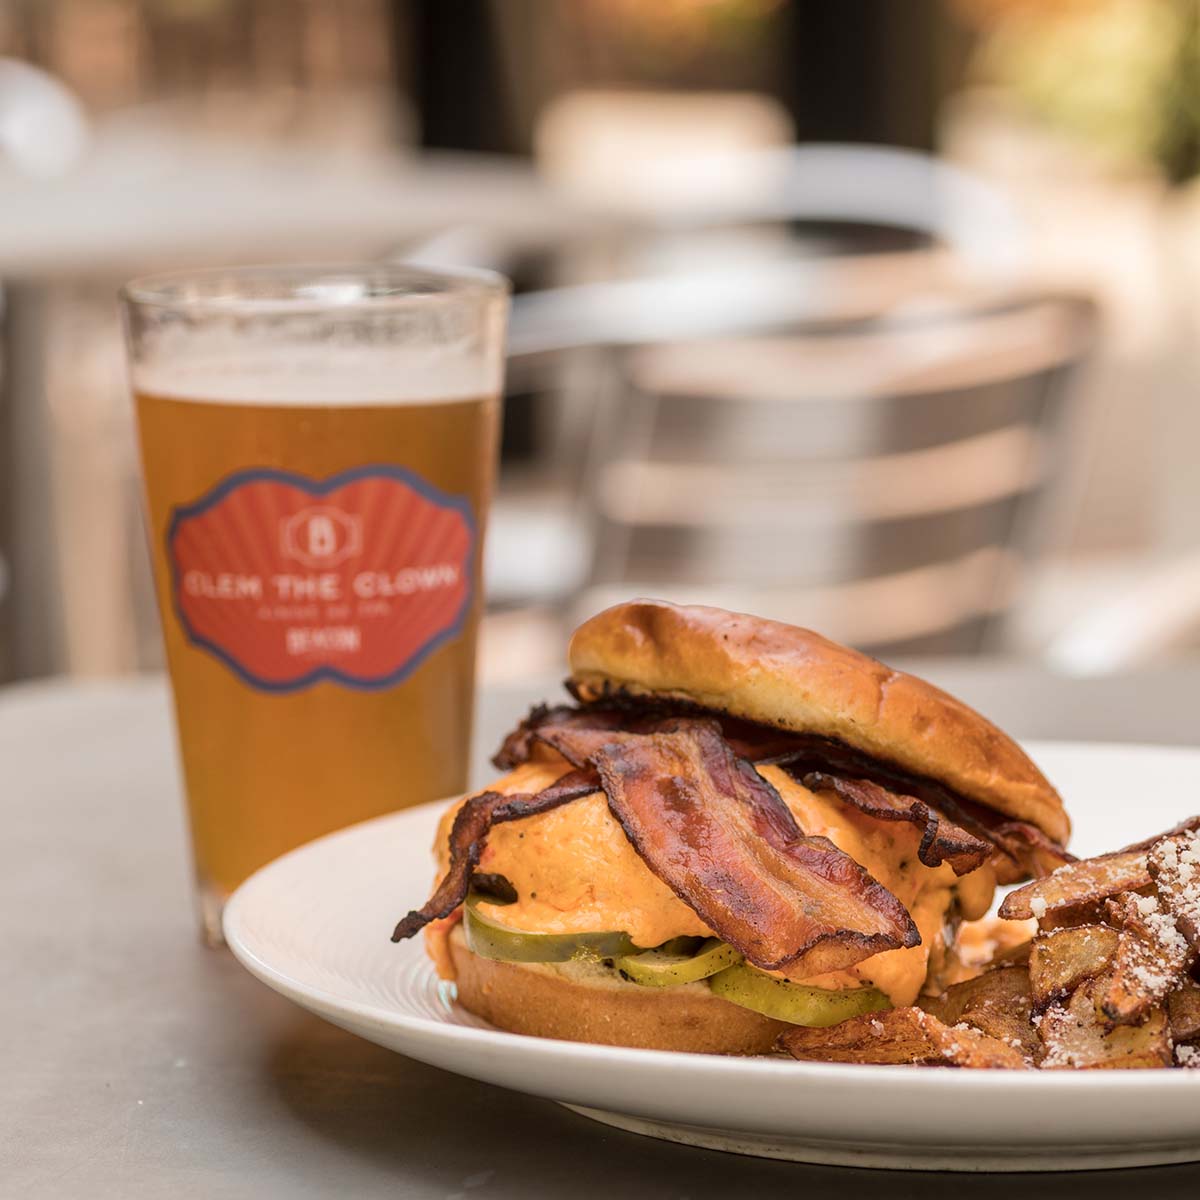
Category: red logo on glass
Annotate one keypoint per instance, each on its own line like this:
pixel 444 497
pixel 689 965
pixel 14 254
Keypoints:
pixel 356 578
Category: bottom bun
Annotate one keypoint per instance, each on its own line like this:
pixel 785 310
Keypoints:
pixel 585 1002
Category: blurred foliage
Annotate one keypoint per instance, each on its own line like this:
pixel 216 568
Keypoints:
pixel 1179 143
pixel 1123 75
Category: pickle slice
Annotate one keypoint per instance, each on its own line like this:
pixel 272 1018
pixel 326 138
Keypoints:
pixel 661 968
pixel 681 947
pixel 795 1003
pixel 490 938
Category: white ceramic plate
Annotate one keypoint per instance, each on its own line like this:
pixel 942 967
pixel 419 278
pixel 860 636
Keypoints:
pixel 314 925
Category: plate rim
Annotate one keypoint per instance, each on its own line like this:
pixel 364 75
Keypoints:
pixel 329 1002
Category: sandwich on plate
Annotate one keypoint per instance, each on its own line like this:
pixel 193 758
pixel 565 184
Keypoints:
pixel 737 830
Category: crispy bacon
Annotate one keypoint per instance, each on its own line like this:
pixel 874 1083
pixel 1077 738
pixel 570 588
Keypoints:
pixel 578 744
pixel 941 840
pixel 701 817
pixel 1019 850
pixel 826 756
pixel 468 836
pixel 757 743
pixel 1032 850
pixel 577 733
pixel 1022 850
pixel 711 828
pixel 543 721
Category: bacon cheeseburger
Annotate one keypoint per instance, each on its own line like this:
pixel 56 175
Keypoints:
pixel 740 826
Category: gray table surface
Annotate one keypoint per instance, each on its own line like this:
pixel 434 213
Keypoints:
pixel 135 1063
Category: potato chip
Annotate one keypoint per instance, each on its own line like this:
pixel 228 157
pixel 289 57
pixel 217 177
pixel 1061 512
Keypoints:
pixel 1073 916
pixel 1174 864
pixel 997 1003
pixel 1075 1035
pixel 1015 956
pixel 1064 958
pixel 1151 960
pixel 1078 883
pixel 1183 1009
pixel 901 1035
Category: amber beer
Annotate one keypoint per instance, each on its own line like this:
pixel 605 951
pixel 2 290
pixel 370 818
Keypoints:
pixel 317 557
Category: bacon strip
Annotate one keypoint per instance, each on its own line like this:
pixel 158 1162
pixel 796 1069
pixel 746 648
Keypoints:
pixel 1029 848
pixel 1020 849
pixel 468 836
pixel 711 828
pixel 757 743
pixel 722 838
pixel 579 744
pixel 541 723
pixel 825 756
pixel 941 840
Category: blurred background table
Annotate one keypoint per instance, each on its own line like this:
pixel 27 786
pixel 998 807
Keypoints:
pixel 876 318
pixel 138 1063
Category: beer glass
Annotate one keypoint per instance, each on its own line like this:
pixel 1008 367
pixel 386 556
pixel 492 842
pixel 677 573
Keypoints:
pixel 318 449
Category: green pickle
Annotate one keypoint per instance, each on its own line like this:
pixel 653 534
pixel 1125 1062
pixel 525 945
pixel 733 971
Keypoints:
pixel 795 1003
pixel 490 938
pixel 662 968
pixel 679 961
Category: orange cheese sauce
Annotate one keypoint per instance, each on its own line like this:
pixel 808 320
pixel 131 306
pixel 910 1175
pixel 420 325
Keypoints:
pixel 977 945
pixel 574 869
pixel 575 872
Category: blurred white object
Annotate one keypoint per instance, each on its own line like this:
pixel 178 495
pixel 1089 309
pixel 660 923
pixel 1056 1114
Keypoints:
pixel 903 188
pixel 1158 614
pixel 148 194
pixel 684 159
pixel 879 185
pixel 537 548
pixel 660 154
pixel 43 127
pixel 638 312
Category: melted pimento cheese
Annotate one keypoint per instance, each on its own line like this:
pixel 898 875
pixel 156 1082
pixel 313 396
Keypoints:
pixel 575 872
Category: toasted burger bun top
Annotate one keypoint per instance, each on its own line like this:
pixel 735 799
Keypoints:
pixel 793 679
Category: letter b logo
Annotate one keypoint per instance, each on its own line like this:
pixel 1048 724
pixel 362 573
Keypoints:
pixel 321 537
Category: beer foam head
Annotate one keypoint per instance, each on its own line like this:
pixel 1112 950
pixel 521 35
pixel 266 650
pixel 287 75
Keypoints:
pixel 375 334
pixel 321 376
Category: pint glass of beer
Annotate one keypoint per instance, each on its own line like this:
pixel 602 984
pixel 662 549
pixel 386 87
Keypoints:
pixel 318 448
